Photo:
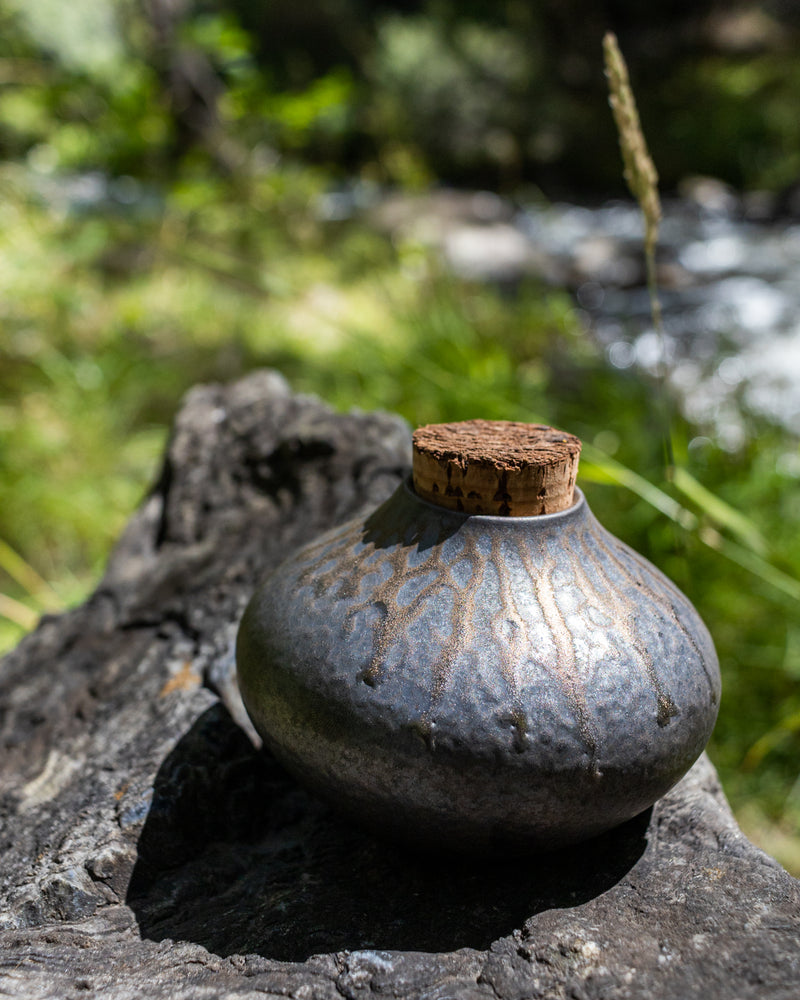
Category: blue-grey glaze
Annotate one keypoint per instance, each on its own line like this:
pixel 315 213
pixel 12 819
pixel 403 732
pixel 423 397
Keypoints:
pixel 478 682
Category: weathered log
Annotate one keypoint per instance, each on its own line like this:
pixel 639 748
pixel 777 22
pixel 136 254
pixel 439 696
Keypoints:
pixel 150 849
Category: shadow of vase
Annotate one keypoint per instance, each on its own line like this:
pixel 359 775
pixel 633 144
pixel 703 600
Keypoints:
pixel 236 856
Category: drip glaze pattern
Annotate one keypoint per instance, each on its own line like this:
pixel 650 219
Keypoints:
pixel 478 683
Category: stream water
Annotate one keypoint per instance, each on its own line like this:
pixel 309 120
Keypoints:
pixel 729 288
pixel 730 296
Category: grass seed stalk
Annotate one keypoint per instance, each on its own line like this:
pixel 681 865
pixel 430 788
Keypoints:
pixel 642 180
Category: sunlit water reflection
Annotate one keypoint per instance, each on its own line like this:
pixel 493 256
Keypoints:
pixel 730 296
pixel 729 288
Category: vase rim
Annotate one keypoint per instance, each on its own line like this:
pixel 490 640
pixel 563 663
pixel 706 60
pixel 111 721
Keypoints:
pixel 578 503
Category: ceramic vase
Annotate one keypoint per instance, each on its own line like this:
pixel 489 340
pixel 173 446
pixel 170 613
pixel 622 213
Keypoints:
pixel 478 683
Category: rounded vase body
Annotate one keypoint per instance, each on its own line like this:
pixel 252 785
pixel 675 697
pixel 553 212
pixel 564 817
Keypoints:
pixel 478 682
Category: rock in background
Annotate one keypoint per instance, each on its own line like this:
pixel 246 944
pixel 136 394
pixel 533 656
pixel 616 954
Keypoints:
pixel 149 848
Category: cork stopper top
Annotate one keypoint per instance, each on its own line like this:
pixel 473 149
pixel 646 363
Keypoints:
pixel 496 467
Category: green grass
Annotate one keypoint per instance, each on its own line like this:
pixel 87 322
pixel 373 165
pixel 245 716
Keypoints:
pixel 108 317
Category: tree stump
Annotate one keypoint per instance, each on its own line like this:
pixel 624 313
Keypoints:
pixel 150 848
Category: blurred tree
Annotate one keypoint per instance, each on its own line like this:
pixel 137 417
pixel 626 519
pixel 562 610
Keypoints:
pixel 189 80
pixel 480 93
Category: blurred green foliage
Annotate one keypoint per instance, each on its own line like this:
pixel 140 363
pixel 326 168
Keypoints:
pixel 160 225
pixel 492 93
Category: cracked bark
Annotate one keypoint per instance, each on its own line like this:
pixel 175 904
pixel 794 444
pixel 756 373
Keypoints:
pixel 149 849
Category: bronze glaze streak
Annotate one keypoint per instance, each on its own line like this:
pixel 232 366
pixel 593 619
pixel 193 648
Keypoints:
pixel 657 582
pixel 327 550
pixel 395 619
pixel 665 706
pixel 567 662
pixel 462 612
pixel 333 542
pixel 509 662
pixel 647 568
pixel 462 626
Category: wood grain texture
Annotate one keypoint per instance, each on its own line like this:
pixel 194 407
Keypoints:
pixel 150 849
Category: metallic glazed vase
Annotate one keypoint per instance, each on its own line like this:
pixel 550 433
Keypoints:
pixel 478 682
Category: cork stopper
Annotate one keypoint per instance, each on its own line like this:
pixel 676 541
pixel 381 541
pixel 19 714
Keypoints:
pixel 496 467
